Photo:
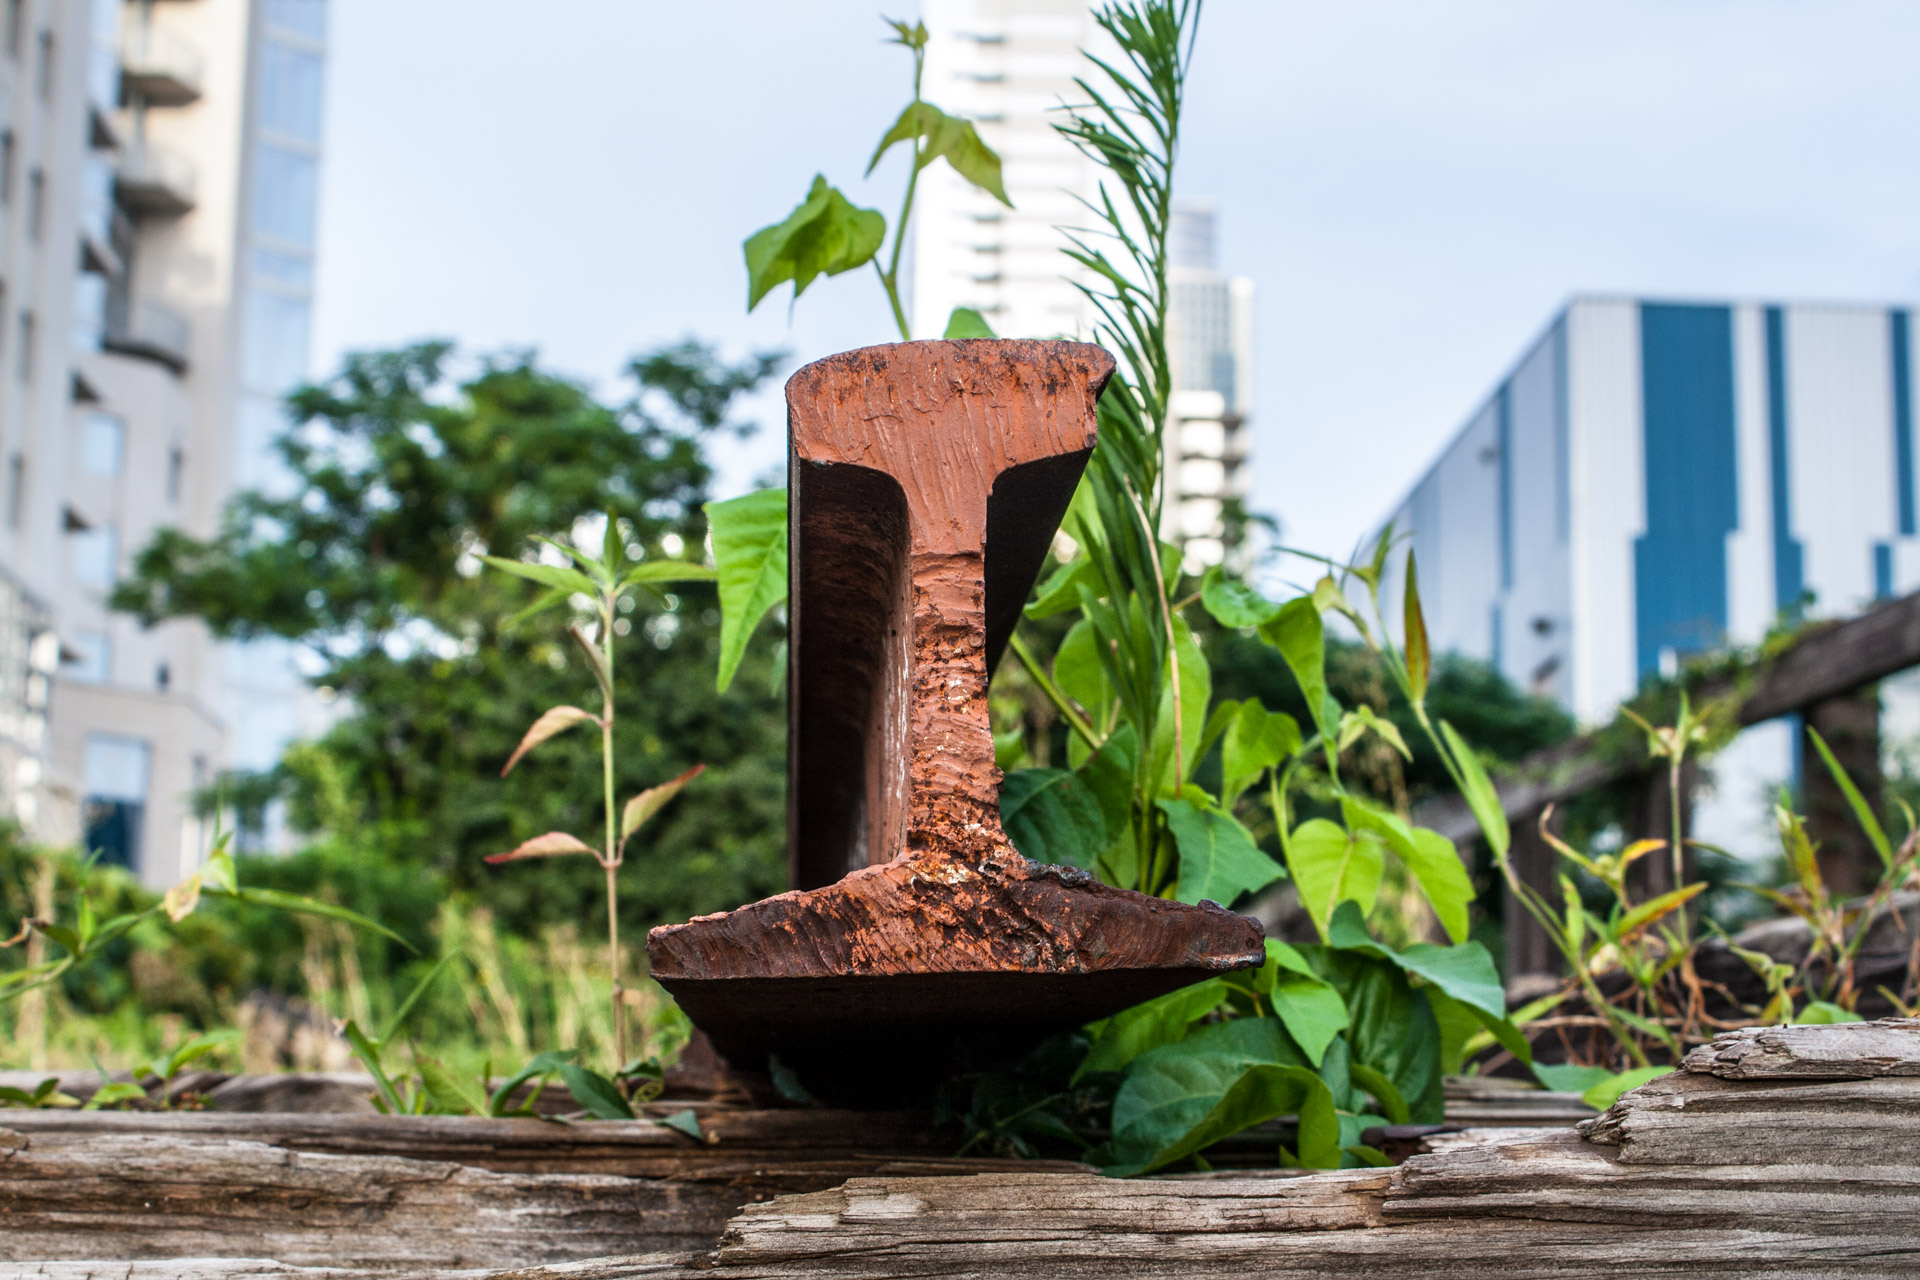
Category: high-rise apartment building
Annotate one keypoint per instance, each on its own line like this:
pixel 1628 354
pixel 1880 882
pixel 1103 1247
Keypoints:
pixel 1009 66
pixel 1653 479
pixel 159 188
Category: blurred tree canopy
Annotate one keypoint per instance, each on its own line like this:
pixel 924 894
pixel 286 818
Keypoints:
pixel 398 477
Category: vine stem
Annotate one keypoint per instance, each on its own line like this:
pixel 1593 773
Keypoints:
pixel 612 860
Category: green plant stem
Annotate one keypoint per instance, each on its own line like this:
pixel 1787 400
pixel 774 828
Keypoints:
pixel 612 859
pixel 890 277
pixel 1075 721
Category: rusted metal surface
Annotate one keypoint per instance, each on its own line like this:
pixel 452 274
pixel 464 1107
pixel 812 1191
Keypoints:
pixel 926 481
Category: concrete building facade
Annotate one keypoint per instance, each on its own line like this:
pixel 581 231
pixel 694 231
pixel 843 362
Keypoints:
pixel 1652 479
pixel 176 157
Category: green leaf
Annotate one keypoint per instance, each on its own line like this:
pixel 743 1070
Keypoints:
pixel 1181 1098
pixel 412 1001
pixel 369 1054
pixel 1567 1077
pixel 571 581
pixel 651 801
pixel 1078 671
pixel 1862 811
pixel 1392 1029
pixel 1297 633
pixel 192 1051
pixel 965 322
pixel 1256 740
pixel 1061 591
pixel 1306 1004
pixel 1604 1094
pixel 750 551
pixel 1464 971
pixel 552 721
pixel 1120 1039
pixel 544 1064
pixel 1430 856
pixel 1822 1013
pixel 1652 910
pixel 1383 1091
pixel 1332 865
pixel 1053 817
pixel 1233 603
pixel 826 234
pixel 1478 791
pixel 595 1093
pixel 948 137
pixel 685 1122
pixel 1196 691
pixel 1418 656
pixel 298 905
pixel 651 572
pixel 448 1096
pixel 109 1094
pixel 1218 859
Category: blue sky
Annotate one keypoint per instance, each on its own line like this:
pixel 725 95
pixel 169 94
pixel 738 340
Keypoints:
pixel 1415 187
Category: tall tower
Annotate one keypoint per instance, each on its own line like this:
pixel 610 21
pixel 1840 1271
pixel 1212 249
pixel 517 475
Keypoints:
pixel 1210 342
pixel 161 242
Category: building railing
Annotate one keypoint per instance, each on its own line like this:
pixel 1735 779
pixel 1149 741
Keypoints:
pixel 155 180
pixel 158 66
pixel 147 330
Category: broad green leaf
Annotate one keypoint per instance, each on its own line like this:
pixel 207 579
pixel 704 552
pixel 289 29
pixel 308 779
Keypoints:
pixel 1478 791
pixel 1430 856
pixel 1465 971
pixel 1255 740
pixel 750 552
pixel 553 720
pixel 826 234
pixel 1332 865
pixel 554 844
pixel 595 1093
pixel 1459 1027
pixel 1296 632
pixel 684 1122
pixel 1233 603
pixel 965 322
pixel 543 1064
pixel 1120 1039
pixel 192 1051
pixel 1310 1009
pixel 1078 671
pixel 948 137
pixel 444 1091
pixel 650 572
pixel 1061 591
pixel 1567 1077
pixel 1392 1028
pixel 1052 817
pixel 108 1095
pixel 1604 1094
pixel 571 581
pixel 1862 811
pixel 1183 1097
pixel 1218 859
pixel 1822 1013
pixel 1418 656
pixel 1384 1091
pixel 649 802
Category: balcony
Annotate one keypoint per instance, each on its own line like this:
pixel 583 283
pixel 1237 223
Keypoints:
pixel 158 67
pixel 157 181
pixel 147 330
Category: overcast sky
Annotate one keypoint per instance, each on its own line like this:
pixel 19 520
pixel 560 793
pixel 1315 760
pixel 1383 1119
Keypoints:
pixel 1414 187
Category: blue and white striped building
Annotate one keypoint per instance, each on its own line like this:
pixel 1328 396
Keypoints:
pixel 1654 478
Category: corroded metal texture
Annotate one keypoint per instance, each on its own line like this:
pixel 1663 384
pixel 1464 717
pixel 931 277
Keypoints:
pixel 926 482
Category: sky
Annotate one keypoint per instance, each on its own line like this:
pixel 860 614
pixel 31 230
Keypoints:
pixel 1415 188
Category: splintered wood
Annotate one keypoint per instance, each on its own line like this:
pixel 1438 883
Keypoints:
pixel 926 481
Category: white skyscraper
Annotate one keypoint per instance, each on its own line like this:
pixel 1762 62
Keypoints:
pixel 158 180
pixel 1009 65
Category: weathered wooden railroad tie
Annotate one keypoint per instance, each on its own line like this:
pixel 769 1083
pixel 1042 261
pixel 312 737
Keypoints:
pixel 926 481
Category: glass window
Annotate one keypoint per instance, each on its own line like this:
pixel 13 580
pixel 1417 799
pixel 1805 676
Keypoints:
pixel 88 657
pixel 96 554
pixel 284 189
pixel 103 443
pixel 290 91
pixel 116 771
pixel 291 269
pixel 303 17
pixel 276 341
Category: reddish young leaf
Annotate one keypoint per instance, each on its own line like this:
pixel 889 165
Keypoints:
pixel 557 720
pixel 554 844
pixel 653 799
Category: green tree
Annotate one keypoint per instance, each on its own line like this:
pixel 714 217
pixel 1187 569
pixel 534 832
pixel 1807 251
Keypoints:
pixel 400 478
